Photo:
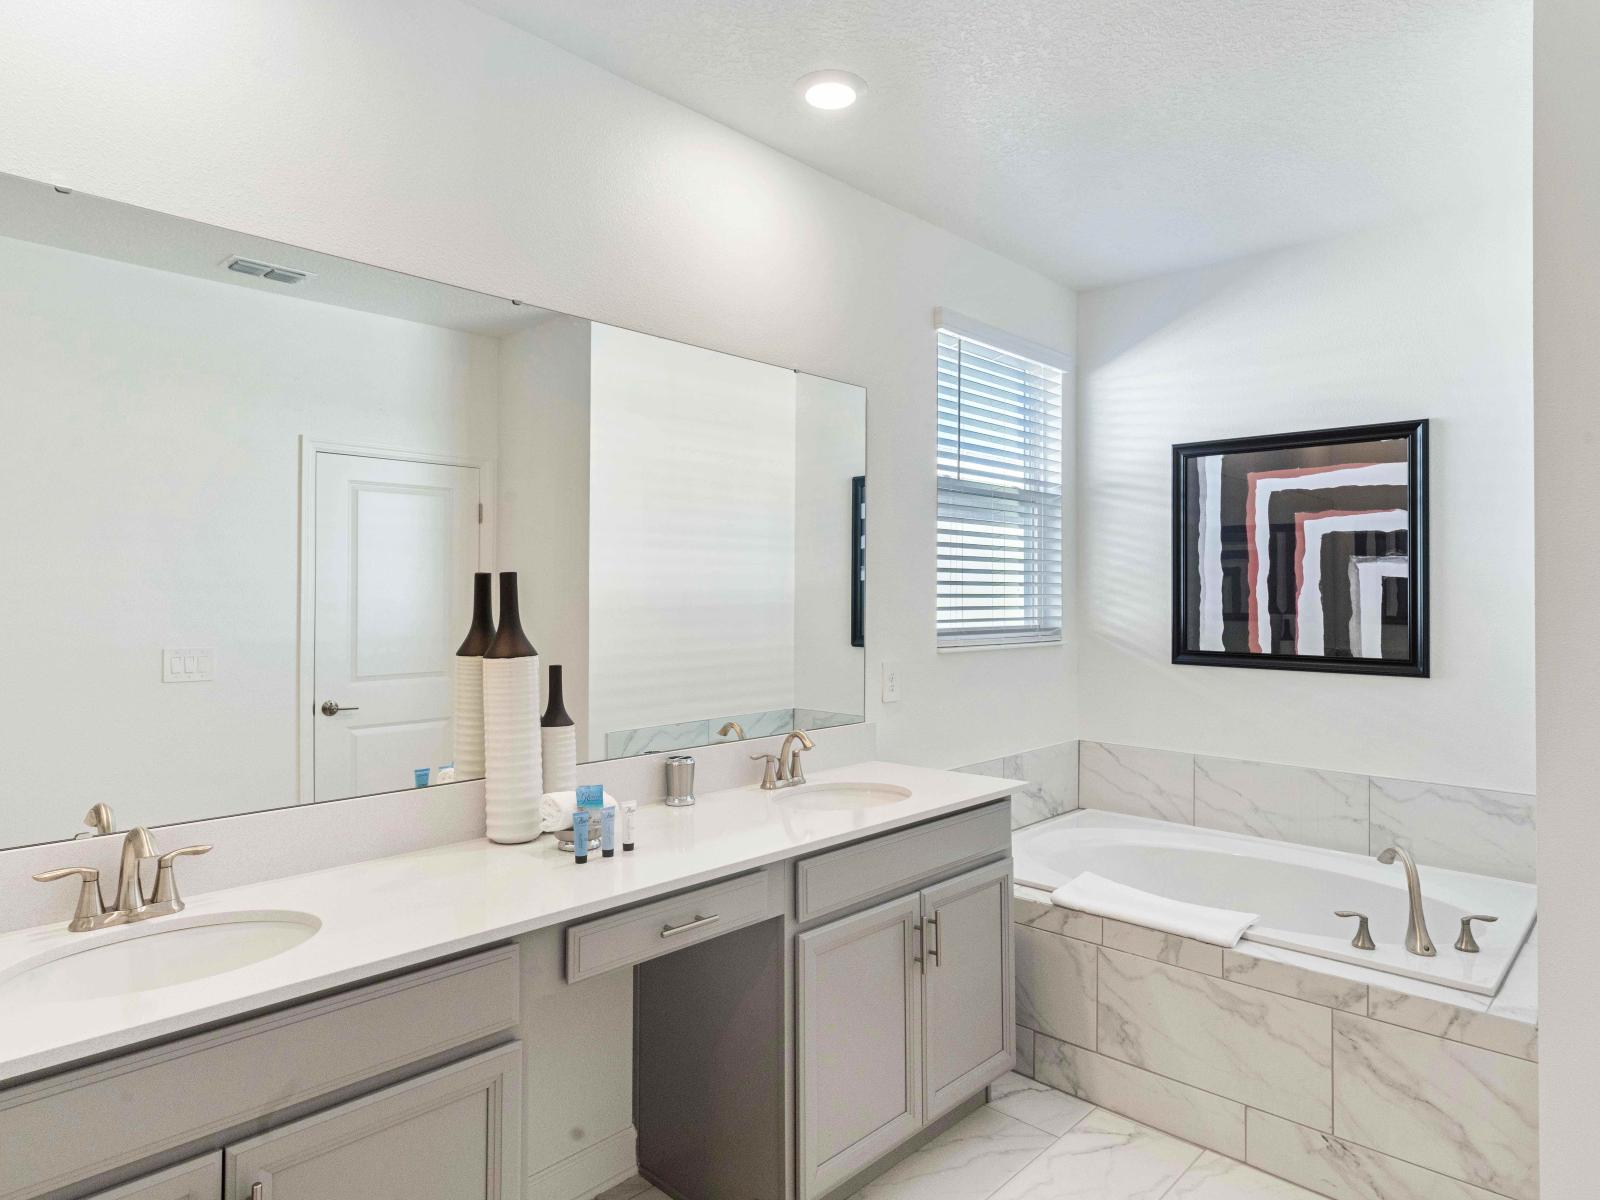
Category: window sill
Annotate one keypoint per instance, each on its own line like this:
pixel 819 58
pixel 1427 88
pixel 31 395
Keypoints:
pixel 1055 645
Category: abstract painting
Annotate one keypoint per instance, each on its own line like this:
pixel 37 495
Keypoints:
pixel 1303 551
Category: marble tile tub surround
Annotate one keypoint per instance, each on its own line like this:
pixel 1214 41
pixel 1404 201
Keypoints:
pixel 275 843
pixel 1443 825
pixel 1052 775
pixel 1348 1082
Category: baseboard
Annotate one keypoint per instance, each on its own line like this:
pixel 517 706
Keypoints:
pixel 590 1171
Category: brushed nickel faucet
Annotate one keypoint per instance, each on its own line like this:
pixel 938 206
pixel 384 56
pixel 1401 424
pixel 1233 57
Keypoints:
pixel 131 906
pixel 784 768
pixel 734 728
pixel 136 847
pixel 1417 940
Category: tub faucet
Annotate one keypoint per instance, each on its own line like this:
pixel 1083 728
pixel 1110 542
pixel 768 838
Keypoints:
pixel 1417 939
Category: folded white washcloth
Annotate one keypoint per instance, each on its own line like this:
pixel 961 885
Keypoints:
pixel 1106 898
pixel 556 809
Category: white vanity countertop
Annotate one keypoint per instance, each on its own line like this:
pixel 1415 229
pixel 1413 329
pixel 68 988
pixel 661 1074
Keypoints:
pixel 392 913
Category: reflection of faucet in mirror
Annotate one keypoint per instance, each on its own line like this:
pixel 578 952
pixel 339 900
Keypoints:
pixel 734 728
pixel 100 821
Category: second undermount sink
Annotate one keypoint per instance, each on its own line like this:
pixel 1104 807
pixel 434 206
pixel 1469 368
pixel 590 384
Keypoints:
pixel 160 953
pixel 843 797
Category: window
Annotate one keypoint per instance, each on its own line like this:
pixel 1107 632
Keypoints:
pixel 999 496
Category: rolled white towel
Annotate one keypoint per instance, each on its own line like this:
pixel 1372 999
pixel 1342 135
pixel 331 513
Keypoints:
pixel 556 809
pixel 1106 898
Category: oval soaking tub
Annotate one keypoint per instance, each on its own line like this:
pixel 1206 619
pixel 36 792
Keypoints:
pixel 1295 889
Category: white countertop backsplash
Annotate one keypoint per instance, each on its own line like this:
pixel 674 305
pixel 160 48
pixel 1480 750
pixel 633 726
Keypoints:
pixel 391 913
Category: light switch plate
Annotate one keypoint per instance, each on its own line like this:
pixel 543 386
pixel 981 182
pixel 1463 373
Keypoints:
pixel 891 683
pixel 190 665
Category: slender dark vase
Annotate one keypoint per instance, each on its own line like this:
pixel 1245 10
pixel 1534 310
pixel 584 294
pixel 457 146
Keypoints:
pixel 469 682
pixel 559 735
pixel 514 775
pixel 509 640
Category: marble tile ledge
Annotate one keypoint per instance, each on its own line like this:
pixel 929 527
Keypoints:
pixel 1507 1022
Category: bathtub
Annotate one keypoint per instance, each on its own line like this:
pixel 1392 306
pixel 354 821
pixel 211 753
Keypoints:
pixel 1295 889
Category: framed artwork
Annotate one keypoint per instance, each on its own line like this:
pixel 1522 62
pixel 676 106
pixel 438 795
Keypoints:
pixel 1303 551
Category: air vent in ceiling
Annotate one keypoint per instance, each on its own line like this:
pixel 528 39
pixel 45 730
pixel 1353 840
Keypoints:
pixel 261 270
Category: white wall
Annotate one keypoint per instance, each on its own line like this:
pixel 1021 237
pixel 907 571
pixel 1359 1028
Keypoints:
pixel 151 500
pixel 1430 319
pixel 691 534
pixel 1566 272
pixel 830 451
pixel 427 137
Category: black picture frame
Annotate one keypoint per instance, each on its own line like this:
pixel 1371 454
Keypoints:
pixel 1416 661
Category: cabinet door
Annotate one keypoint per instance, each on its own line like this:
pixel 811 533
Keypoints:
pixel 968 1016
pixel 859 1018
pixel 455 1132
pixel 197 1179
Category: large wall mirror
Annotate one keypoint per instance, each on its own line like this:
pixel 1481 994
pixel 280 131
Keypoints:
pixel 246 482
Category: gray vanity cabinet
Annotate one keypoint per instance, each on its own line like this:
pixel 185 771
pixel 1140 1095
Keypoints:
pixel 197 1179
pixel 860 1041
pixel 969 1034
pixel 905 1012
pixel 451 1133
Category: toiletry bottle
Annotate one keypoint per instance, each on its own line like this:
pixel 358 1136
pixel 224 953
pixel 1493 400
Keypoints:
pixel 630 810
pixel 580 836
pixel 608 831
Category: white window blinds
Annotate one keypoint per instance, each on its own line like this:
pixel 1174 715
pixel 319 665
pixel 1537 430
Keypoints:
pixel 999 496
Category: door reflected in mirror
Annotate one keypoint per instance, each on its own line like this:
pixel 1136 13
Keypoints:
pixel 245 508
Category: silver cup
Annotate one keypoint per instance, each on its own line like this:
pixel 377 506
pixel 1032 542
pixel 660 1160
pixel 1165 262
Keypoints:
pixel 680 780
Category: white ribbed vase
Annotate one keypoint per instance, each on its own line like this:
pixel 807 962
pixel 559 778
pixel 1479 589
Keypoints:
pixel 560 757
pixel 469 717
pixel 513 758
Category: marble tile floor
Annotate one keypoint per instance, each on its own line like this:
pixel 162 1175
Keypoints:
pixel 1031 1142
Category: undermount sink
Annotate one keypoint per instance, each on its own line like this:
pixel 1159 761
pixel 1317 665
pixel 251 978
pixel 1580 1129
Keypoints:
pixel 844 796
pixel 160 953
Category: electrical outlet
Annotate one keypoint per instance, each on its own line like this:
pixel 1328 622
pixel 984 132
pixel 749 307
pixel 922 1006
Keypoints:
pixel 891 683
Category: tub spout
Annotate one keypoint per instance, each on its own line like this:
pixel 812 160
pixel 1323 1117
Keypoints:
pixel 1417 939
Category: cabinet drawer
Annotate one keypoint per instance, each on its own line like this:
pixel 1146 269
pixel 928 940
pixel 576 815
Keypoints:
pixel 897 862
pixel 663 926
pixel 81 1123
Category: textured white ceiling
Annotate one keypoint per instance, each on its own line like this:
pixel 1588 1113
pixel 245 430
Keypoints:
pixel 1103 140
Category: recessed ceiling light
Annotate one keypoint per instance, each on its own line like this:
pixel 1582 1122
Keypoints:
pixel 831 89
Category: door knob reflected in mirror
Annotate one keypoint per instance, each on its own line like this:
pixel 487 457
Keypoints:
pixel 332 708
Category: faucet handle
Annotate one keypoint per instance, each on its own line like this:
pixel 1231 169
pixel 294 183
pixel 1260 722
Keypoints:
pixel 1363 939
pixel 769 777
pixel 166 891
pixel 91 905
pixel 1466 943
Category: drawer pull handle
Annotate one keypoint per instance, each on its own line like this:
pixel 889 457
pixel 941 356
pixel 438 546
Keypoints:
pixel 258 1191
pixel 935 949
pixel 669 931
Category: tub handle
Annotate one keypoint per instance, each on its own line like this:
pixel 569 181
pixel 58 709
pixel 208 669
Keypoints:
pixel 1363 938
pixel 1466 943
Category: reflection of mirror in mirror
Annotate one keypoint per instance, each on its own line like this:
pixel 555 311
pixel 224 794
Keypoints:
pixel 250 484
